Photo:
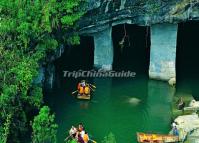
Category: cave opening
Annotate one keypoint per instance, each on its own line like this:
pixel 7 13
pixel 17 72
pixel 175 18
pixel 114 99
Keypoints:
pixel 74 58
pixel 187 59
pixel 131 48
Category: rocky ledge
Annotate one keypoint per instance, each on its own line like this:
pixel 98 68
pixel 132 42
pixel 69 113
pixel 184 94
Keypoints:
pixel 188 127
pixel 103 13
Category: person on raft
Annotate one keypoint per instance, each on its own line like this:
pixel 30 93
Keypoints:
pixel 175 131
pixel 83 88
pixel 80 127
pixel 181 104
pixel 73 132
pixel 79 134
pixel 86 137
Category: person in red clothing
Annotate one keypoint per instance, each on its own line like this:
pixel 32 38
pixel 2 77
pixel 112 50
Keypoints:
pixel 78 86
pixel 81 86
pixel 80 127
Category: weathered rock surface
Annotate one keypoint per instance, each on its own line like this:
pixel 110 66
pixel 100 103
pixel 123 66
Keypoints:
pixel 103 13
pixel 46 73
pixel 193 137
pixel 188 126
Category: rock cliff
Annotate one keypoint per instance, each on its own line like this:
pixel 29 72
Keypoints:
pixel 103 13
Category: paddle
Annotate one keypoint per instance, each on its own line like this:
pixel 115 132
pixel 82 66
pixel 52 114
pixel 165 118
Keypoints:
pixel 91 88
pixel 92 141
pixel 74 92
pixel 67 137
pixel 92 85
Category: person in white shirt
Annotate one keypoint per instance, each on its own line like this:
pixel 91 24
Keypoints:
pixel 73 131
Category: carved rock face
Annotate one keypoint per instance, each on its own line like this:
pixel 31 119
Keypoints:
pixel 141 12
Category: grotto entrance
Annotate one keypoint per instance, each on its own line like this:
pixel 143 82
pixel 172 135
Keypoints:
pixel 74 58
pixel 187 59
pixel 131 48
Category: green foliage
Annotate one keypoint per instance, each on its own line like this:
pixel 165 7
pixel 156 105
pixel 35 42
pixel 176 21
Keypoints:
pixel 24 72
pixel 110 138
pixel 28 33
pixel 69 20
pixel 35 99
pixel 72 141
pixel 4 131
pixel 44 128
pixel 74 40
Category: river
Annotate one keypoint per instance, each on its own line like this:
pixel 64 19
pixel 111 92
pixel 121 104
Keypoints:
pixel 113 107
pixel 121 106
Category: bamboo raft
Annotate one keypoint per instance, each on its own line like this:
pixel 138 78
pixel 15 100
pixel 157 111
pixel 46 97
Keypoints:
pixel 156 138
pixel 84 97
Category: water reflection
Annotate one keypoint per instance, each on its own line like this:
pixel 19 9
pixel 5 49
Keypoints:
pixel 159 101
pixel 122 106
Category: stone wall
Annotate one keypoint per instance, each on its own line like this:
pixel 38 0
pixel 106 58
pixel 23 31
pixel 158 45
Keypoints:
pixel 46 73
pixel 161 15
pixel 101 15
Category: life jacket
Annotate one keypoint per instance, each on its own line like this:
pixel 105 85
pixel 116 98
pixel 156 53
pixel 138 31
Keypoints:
pixel 81 90
pixel 87 90
pixel 154 137
pixel 86 138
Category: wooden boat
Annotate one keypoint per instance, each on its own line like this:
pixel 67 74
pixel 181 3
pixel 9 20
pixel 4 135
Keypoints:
pixel 156 138
pixel 84 97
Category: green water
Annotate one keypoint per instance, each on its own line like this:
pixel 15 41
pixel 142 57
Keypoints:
pixel 113 108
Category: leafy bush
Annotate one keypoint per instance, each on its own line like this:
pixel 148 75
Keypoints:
pixel 44 128
pixel 28 32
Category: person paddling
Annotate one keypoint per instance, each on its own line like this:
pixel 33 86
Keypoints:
pixel 79 135
pixel 81 87
pixel 181 104
pixel 80 127
pixel 73 132
pixel 80 139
